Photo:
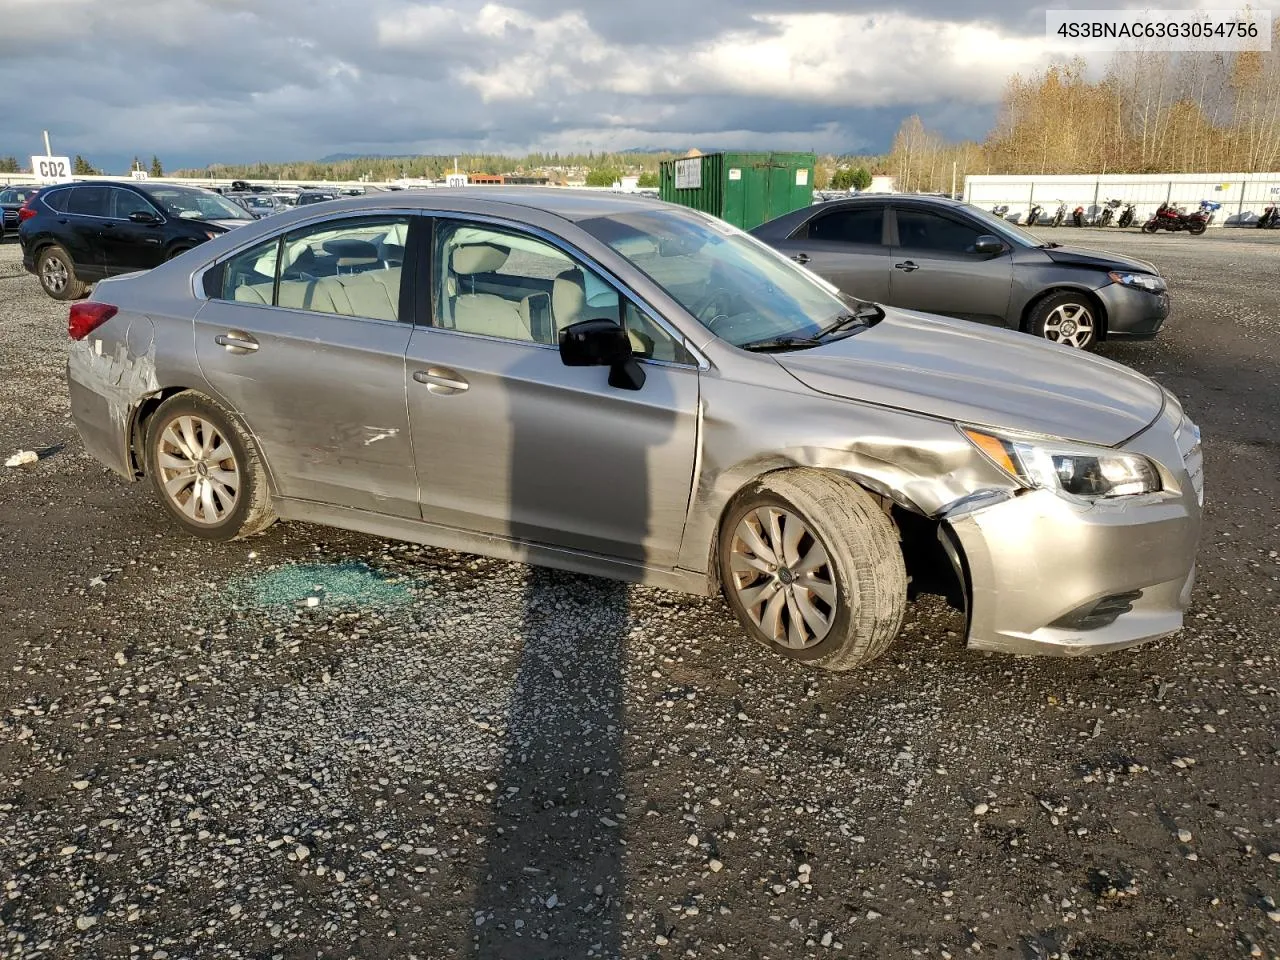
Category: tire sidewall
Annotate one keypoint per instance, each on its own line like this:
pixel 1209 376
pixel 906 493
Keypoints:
pixel 834 640
pixel 194 405
pixel 69 290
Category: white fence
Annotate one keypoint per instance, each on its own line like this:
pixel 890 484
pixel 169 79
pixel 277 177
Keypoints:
pixel 1243 195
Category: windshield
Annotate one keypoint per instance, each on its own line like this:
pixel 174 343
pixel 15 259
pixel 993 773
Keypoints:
pixel 733 285
pixel 192 204
pixel 17 195
pixel 258 202
pixel 1004 228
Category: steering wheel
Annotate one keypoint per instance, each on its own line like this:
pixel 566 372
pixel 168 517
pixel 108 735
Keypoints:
pixel 710 309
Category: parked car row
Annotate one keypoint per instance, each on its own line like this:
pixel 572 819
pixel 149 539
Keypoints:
pixel 623 387
pixel 11 200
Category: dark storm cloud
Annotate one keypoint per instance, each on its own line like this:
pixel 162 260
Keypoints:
pixel 231 80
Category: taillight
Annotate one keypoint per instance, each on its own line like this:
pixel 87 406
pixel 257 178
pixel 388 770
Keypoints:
pixel 87 317
pixel 27 211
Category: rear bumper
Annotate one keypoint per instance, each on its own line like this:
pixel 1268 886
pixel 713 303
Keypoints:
pixel 1048 575
pixel 1133 314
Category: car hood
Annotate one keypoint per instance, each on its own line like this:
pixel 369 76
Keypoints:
pixel 1096 258
pixel 229 224
pixel 981 375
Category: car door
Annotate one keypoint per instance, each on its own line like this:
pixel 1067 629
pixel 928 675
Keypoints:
pixel 80 228
pixel 304 335
pixel 936 270
pixel 845 245
pixel 511 442
pixel 129 246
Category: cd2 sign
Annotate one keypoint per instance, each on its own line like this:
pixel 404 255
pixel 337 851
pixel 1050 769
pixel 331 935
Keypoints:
pixel 52 169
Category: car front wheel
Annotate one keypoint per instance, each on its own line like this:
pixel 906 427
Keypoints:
pixel 206 469
pixel 1066 318
pixel 811 567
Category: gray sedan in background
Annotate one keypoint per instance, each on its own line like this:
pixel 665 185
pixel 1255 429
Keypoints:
pixel 621 387
pixel 941 256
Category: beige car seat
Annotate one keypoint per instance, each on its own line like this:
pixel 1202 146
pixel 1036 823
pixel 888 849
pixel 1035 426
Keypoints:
pixel 484 313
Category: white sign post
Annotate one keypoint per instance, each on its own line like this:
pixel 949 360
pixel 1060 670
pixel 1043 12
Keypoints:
pixel 52 169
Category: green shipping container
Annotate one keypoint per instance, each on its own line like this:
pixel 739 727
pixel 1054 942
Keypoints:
pixel 745 189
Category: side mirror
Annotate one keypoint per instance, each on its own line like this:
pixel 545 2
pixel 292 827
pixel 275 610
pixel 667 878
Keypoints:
pixel 602 343
pixel 143 216
pixel 987 245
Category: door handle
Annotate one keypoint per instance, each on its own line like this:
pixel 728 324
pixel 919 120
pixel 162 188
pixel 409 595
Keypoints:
pixel 801 258
pixel 906 265
pixel 441 381
pixel 236 341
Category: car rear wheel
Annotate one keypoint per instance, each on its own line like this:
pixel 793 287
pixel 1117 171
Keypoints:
pixel 1066 318
pixel 206 469
pixel 58 274
pixel 812 568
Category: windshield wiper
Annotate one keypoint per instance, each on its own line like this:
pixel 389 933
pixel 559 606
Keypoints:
pixel 771 344
pixel 1049 246
pixel 864 316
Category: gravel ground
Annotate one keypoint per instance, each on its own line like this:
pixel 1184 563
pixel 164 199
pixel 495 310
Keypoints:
pixel 444 755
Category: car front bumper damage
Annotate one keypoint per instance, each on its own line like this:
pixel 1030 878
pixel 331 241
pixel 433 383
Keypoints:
pixel 1049 575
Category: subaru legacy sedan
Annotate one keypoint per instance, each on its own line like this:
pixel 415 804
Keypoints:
pixel 620 387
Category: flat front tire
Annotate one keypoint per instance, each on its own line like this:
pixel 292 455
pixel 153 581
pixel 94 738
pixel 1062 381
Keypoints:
pixel 812 568
pixel 206 469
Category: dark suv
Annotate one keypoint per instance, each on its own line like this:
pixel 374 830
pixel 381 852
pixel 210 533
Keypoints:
pixel 936 255
pixel 76 233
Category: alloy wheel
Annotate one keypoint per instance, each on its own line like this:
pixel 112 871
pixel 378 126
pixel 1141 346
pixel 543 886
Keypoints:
pixel 1070 324
pixel 54 274
pixel 783 577
pixel 198 469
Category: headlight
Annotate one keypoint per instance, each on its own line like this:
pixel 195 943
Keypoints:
pixel 1142 281
pixel 1075 469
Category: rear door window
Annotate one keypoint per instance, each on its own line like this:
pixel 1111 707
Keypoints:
pixel 863 226
pixel 89 201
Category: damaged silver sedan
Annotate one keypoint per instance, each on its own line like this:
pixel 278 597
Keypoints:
pixel 620 387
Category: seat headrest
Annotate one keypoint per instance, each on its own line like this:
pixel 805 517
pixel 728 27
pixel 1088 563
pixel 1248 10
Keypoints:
pixel 478 258
pixel 351 249
pixel 568 297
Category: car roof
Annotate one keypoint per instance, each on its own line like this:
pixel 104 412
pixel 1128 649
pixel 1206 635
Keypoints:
pixel 568 203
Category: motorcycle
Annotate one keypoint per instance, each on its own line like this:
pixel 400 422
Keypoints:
pixel 1108 212
pixel 1001 210
pixel 1270 217
pixel 1209 208
pixel 1169 217
pixel 1033 215
pixel 1127 215
pixel 1061 214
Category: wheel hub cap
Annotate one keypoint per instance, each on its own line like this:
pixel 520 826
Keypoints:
pixel 782 576
pixel 1070 324
pixel 198 469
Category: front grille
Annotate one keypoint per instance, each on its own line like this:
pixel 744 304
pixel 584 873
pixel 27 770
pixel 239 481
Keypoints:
pixel 1188 437
pixel 10 219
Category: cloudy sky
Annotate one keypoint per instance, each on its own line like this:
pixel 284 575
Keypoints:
pixel 199 81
